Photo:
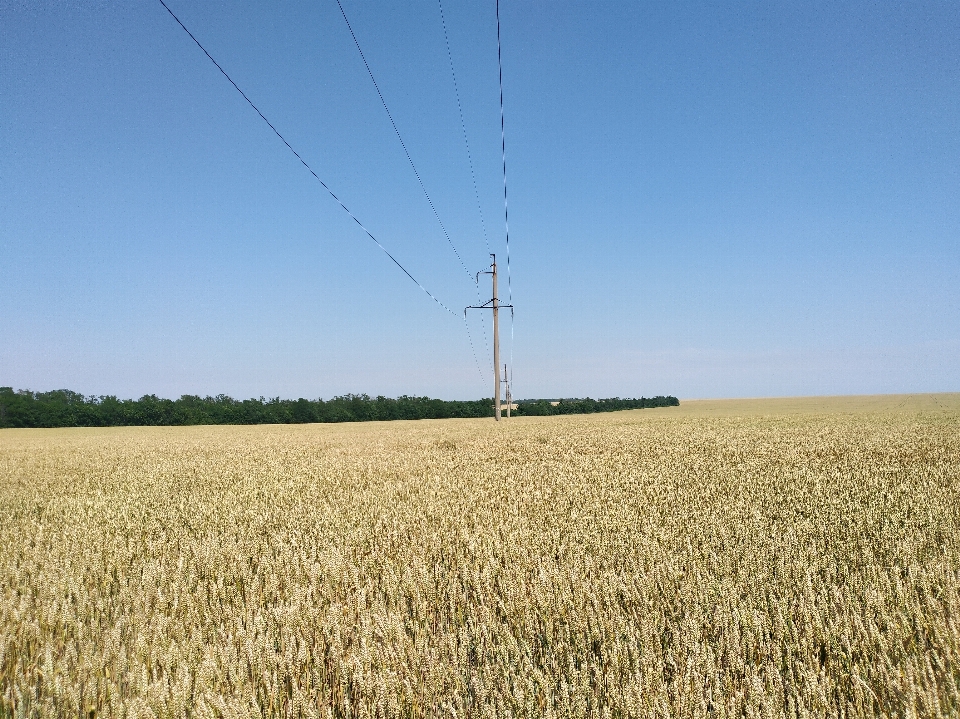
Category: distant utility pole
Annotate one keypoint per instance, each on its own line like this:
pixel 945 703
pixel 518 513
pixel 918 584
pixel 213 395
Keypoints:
pixel 495 305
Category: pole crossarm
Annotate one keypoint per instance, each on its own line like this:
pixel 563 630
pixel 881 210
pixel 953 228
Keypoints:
pixel 488 305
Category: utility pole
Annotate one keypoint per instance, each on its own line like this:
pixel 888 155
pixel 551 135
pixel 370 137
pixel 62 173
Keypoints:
pixel 496 341
pixel 495 305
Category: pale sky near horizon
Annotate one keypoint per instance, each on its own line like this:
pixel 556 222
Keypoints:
pixel 706 199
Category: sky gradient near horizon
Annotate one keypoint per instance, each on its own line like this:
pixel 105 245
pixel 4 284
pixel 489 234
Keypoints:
pixel 706 200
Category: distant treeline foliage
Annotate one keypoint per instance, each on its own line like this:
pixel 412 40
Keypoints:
pixel 63 408
pixel 540 407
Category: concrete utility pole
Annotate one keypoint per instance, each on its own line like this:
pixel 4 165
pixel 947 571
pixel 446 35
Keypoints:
pixel 496 342
pixel 495 305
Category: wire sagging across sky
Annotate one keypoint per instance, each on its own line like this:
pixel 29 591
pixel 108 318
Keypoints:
pixel 406 152
pixel 402 143
pixel 304 163
pixel 463 126
pixel 503 150
pixel 466 142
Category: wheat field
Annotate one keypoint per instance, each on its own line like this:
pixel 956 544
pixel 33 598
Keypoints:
pixel 756 558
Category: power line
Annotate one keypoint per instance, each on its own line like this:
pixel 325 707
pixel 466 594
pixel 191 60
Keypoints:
pixel 463 126
pixel 402 143
pixel 466 142
pixel 503 151
pixel 304 163
pixel 410 159
pixel 474 349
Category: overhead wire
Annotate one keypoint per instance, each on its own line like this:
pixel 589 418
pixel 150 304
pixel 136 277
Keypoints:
pixel 503 151
pixel 304 162
pixel 466 142
pixel 399 137
pixel 463 126
pixel 473 349
pixel 406 152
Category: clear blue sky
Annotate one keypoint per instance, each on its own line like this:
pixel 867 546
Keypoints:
pixel 706 199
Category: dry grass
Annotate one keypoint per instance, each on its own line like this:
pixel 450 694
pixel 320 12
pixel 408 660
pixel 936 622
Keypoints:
pixel 759 559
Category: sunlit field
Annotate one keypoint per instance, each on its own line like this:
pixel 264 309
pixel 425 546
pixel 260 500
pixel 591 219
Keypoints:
pixel 722 558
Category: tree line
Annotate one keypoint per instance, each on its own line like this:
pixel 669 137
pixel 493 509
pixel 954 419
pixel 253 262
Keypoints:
pixel 63 408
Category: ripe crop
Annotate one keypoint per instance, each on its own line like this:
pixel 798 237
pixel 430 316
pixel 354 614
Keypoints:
pixel 751 560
